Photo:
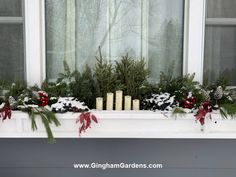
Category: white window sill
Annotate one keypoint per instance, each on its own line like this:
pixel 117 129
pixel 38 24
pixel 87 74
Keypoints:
pixel 123 124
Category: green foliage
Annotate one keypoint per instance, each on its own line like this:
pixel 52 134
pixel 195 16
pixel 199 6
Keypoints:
pixel 47 118
pixel 178 111
pixel 31 114
pixel 148 88
pixel 228 110
pixel 180 86
pixel 105 79
pixel 131 75
pixel 182 83
pixel 67 76
pixel 62 86
pixel 16 89
pixel 221 81
pixel 76 84
pixel 83 87
pixel 56 89
pixel 5 85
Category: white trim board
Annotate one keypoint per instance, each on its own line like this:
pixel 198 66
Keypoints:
pixel 123 124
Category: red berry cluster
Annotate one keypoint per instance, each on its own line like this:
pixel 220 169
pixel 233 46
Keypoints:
pixel 43 98
pixel 188 102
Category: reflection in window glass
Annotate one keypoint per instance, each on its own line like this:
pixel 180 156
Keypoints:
pixel 220 41
pixel 12 52
pixel 11 8
pixel 220 53
pixel 221 9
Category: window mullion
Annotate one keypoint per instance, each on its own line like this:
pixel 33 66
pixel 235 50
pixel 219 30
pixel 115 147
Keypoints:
pixel 33 34
pixel 14 20
pixel 194 38
pixel 221 21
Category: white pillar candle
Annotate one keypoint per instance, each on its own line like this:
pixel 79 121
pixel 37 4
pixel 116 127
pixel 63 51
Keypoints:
pixel 109 105
pixel 136 104
pixel 119 96
pixel 99 103
pixel 127 102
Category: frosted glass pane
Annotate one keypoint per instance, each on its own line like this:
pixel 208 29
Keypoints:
pixel 165 42
pixel 152 29
pixel 91 31
pixel 10 8
pixel 221 9
pixel 220 53
pixel 55 36
pixel 12 52
pixel 126 29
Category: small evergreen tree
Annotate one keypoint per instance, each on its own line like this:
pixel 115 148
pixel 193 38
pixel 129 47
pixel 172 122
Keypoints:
pixel 131 75
pixel 105 78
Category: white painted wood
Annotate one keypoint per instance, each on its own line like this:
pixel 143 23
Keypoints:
pixel 123 124
pixel 43 39
pixel 194 38
pixel 33 35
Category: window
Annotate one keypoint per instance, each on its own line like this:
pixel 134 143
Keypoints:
pixel 42 33
pixel 220 40
pixel 11 40
pixel 150 29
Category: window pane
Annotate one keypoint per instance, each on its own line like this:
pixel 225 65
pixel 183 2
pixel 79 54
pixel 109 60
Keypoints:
pixel 221 9
pixel 165 36
pixel 141 28
pixel 220 53
pixel 11 53
pixel 10 8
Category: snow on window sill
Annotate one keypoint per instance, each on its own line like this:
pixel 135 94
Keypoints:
pixel 123 124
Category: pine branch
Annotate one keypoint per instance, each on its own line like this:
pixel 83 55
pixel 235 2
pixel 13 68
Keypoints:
pixel 178 111
pixel 228 110
pixel 46 123
pixel 33 122
pixel 223 114
pixel 47 118
pixel 51 117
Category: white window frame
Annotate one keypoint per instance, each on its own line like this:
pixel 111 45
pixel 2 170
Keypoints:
pixel 35 42
pixel 193 52
pixel 194 38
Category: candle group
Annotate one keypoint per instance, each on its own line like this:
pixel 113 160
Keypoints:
pixel 128 103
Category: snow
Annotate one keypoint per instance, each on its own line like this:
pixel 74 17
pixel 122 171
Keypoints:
pixel 68 102
pixel 2 105
pixel 163 101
